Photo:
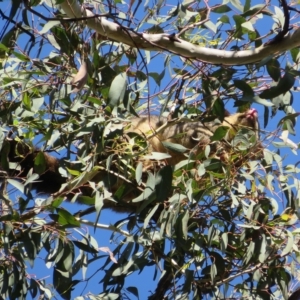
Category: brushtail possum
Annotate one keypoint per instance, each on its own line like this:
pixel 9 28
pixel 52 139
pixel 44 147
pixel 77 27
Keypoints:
pixel 194 136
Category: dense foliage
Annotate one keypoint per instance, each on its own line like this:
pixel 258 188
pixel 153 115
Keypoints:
pixel 207 228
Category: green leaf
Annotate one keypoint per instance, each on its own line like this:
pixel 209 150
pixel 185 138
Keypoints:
pixel 26 101
pixel 139 173
pixel 184 224
pixel 224 19
pixel 16 184
pixel 66 219
pixel 248 25
pixel 149 189
pixel 295 54
pixel 175 147
pixel 289 244
pixel 117 90
pixel 224 241
pixel 274 70
pixel 59 39
pixel 4 280
pixel 82 179
pixel 158 77
pixel 63 283
pixel 220 133
pixel 256 99
pixel 284 85
pixel 239 20
pixel 163 183
pixel 37 103
pixel 40 165
pixel 31 242
pixel 99 202
pixel 21 56
pixel 150 215
pixel 243 86
pixel 247 5
pixel 157 156
pixel 7 41
pixel 31 178
pixel 221 9
pixel 213 271
pixel 283 279
pixel 237 4
pixel 266 116
pixel 133 290
pixel 48 26
pixel 211 26
pixel 290 117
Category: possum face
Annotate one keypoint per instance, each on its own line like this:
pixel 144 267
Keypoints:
pixel 248 119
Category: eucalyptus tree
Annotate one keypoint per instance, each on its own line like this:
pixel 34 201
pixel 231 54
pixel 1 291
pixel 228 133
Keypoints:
pixel 217 225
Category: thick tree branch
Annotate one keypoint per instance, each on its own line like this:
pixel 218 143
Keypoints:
pixel 157 42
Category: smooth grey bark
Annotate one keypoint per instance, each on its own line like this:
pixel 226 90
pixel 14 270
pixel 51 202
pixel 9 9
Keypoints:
pixel 159 42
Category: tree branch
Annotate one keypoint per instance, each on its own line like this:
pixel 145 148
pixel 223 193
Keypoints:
pixel 156 42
